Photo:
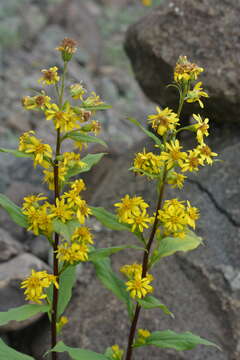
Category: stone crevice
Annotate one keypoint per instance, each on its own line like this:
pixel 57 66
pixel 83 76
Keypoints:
pixel 215 202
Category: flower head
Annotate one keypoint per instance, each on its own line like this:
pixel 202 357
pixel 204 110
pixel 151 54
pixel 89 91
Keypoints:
pixel 67 48
pixel 163 121
pixel 173 156
pixel 192 161
pixel 201 127
pixel 61 211
pixel 117 353
pixel 185 70
pixel 147 164
pixel 139 287
pixel 72 253
pixel 206 153
pixel 195 94
pixel 36 284
pixel 77 91
pixel 50 76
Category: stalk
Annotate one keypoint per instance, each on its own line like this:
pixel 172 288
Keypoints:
pixel 144 269
pixel 56 236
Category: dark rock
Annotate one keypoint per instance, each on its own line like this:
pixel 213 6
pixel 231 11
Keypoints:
pixel 207 34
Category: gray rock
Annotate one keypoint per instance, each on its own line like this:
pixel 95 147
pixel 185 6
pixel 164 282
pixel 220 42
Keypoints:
pixel 202 31
pixel 8 246
pixel 12 273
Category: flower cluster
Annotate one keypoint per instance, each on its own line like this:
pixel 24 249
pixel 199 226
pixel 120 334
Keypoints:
pixel 117 353
pixel 133 211
pixel 175 217
pixel 143 334
pixel 147 163
pixel 138 286
pixel 185 70
pixel 35 285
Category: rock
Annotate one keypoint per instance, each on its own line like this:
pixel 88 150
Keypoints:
pixel 182 27
pixel 39 246
pixel 8 246
pixel 12 273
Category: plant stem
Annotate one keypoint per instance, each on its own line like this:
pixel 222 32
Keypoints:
pixel 56 236
pixel 55 247
pixel 145 268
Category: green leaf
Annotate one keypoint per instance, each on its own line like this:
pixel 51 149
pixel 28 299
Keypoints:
pixel 92 107
pixel 150 302
pixel 66 283
pixel 22 313
pixel 16 153
pixel 78 354
pixel 90 160
pixel 170 245
pixel 65 229
pixel 8 353
pixel 177 341
pixel 108 219
pixel 97 254
pixel 79 136
pixel 14 211
pixel 112 282
pixel 147 132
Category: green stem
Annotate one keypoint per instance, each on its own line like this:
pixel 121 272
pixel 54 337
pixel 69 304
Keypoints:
pixel 56 236
pixel 145 268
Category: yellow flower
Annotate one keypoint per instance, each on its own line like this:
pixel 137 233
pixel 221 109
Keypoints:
pixel 201 127
pixel 36 284
pixel 65 120
pixel 131 270
pixel 139 222
pixel 174 156
pixel 77 91
pixel 176 180
pixel 139 287
pixel 72 253
pixel 193 161
pixel 78 185
pixel 173 218
pixel 82 235
pixel 144 333
pixel 185 70
pixel 50 76
pixel 93 100
pixel 61 211
pixel 147 163
pixel 83 210
pixel 130 206
pixel 117 353
pixel 63 321
pixel 39 150
pixel 71 159
pixel 164 120
pixel 196 94
pixel 32 200
pixel 147 2
pixel 40 102
pixel 192 215
pixel 38 219
pixel 95 127
pixel 49 176
pixel 206 153
pixel 24 139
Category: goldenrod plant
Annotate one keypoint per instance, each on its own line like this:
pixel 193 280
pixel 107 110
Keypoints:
pixel 62 217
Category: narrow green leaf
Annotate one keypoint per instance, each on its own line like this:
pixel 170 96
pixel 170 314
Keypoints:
pixel 78 354
pixel 66 283
pixel 22 313
pixel 92 107
pixel 65 229
pixel 109 219
pixel 97 254
pixel 14 211
pixel 177 341
pixel 150 302
pixel 15 153
pixel 112 282
pixel 147 132
pixel 79 136
pixel 90 160
pixel 8 353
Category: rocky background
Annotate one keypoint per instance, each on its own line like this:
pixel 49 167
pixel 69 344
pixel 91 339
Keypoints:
pixel 201 288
